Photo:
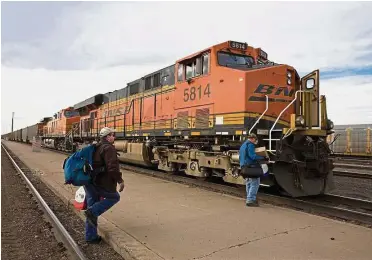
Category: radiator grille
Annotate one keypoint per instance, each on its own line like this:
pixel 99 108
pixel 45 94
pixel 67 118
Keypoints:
pixel 182 120
pixel 202 118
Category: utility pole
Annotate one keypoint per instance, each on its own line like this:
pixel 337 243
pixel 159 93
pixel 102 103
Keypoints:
pixel 12 120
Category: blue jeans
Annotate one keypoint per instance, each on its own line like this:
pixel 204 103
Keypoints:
pixel 97 206
pixel 252 186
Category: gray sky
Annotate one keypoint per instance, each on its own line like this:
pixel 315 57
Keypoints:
pixel 55 54
pixel 33 20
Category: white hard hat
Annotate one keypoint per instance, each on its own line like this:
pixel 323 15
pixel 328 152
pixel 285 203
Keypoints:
pixel 105 131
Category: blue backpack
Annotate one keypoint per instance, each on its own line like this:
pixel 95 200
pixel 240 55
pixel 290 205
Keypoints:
pixel 78 169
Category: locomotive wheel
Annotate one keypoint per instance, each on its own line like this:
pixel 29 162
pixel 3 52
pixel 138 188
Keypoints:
pixel 298 176
pixel 294 184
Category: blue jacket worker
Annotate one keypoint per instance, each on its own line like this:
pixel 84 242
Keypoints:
pixel 248 156
pixel 101 194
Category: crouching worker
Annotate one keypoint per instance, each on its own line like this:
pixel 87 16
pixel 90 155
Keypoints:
pixel 101 195
pixel 248 157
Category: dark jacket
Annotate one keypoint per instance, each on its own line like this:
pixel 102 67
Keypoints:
pixel 105 155
pixel 247 154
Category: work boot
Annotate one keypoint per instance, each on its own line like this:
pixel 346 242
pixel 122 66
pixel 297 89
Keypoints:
pixel 252 203
pixel 91 218
pixel 95 241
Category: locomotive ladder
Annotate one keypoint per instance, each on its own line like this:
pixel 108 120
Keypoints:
pixel 264 112
pixel 276 121
pixel 258 120
pixel 69 137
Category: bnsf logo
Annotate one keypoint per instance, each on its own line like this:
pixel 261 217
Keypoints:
pixel 269 89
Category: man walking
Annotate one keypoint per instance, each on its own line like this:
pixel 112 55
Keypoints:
pixel 101 194
pixel 248 156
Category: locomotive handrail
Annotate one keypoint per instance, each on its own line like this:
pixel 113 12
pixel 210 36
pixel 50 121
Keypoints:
pixel 264 112
pixel 127 111
pixel 130 106
pixel 277 119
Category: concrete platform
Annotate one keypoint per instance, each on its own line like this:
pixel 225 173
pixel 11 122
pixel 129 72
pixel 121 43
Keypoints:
pixel 157 219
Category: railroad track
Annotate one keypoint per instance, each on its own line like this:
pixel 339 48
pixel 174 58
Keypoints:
pixel 351 161
pixel 68 241
pixel 334 206
pixel 353 168
pixel 357 160
pixel 351 157
pixel 353 173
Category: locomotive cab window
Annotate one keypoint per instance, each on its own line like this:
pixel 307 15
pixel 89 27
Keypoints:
pixel 205 64
pixel 71 113
pixel 197 66
pixel 180 72
pixel 310 83
pixel 190 69
pixel 229 59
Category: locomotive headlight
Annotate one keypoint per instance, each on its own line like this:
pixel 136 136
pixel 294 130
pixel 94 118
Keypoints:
pixel 289 77
pixel 330 124
pixel 300 121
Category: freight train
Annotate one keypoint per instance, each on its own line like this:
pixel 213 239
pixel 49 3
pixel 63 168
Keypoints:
pixel 193 116
pixel 351 140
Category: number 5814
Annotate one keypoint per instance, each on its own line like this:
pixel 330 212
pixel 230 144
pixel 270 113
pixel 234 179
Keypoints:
pixel 190 94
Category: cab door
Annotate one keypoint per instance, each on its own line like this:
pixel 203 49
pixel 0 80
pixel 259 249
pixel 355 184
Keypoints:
pixel 310 99
pixel 193 96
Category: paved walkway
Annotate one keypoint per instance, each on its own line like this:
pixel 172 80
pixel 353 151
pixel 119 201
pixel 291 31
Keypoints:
pixel 158 219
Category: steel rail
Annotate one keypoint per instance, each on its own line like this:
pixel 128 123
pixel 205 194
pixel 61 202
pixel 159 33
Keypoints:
pixel 352 174
pixel 355 203
pixel 69 242
pixel 353 166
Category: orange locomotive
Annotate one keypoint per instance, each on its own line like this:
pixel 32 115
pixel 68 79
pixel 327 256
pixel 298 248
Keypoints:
pixel 194 115
pixel 58 127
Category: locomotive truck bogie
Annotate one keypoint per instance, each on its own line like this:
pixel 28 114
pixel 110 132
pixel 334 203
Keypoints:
pixel 193 162
pixel 296 168
pixel 303 166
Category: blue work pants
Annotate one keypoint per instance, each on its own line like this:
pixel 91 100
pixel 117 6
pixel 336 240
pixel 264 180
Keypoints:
pixel 97 206
pixel 252 186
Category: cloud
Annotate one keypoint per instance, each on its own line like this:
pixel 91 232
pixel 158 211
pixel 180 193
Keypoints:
pixel 338 73
pixel 349 99
pixel 99 47
pixel 305 35
pixel 36 93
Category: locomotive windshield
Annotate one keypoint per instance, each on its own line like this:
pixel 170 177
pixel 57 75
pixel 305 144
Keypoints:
pixel 233 60
pixel 71 113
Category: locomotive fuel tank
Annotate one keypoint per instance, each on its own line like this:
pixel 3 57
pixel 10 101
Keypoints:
pixel 135 153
